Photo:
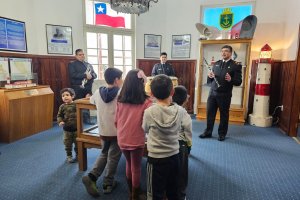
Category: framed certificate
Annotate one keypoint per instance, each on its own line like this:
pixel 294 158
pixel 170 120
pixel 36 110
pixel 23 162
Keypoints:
pixel 59 39
pixel 181 46
pixel 152 46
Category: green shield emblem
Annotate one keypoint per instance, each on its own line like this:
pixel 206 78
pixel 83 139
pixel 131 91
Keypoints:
pixel 226 20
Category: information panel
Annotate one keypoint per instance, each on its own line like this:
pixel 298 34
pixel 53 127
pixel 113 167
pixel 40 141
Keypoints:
pixel 12 35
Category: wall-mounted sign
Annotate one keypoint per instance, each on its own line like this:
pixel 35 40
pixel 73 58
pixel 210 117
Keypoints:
pixel 12 35
pixel 59 39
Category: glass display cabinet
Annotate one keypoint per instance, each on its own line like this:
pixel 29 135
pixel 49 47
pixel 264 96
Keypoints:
pixel 17 80
pixel 210 52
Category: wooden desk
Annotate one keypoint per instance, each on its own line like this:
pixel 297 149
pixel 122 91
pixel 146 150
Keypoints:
pixel 25 111
pixel 84 138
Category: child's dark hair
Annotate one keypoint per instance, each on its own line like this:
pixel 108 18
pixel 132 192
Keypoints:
pixel 70 90
pixel 111 74
pixel 161 86
pixel 133 90
pixel 180 95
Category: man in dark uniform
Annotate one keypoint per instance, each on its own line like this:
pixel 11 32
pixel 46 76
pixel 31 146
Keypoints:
pixel 81 75
pixel 225 74
pixel 163 67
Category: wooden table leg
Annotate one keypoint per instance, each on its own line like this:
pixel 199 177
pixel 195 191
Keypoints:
pixel 82 156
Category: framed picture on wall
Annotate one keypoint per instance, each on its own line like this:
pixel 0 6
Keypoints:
pixel 59 39
pixel 181 46
pixel 152 46
pixel 12 35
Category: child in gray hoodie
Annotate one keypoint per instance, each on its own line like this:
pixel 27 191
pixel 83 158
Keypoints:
pixel 163 121
pixel 105 100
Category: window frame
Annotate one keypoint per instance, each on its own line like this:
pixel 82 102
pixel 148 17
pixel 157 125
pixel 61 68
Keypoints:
pixel 110 32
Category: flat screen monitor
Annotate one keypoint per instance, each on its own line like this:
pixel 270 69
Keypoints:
pixel 12 35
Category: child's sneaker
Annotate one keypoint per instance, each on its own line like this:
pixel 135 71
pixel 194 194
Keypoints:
pixel 70 159
pixel 109 188
pixel 90 186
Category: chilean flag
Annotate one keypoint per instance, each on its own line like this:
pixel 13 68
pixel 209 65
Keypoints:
pixel 103 18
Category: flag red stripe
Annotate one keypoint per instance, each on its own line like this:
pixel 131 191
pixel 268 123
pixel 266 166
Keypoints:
pixel 110 21
pixel 262 89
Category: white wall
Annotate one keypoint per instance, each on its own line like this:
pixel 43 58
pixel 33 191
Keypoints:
pixel 37 13
pixel 291 30
pixel 171 17
pixel 167 18
pixel 278 23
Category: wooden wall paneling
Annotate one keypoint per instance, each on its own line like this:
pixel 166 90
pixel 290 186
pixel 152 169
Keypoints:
pixel 276 88
pixel 281 90
pixel 55 85
pixel 288 80
pixel 146 65
pixel 295 96
pixel 51 70
pixel 185 71
pixel 252 83
pixel 64 73
pixel 54 72
pixel 36 67
pixel 294 119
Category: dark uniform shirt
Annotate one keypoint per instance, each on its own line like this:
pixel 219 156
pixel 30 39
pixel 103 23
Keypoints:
pixel 166 69
pixel 77 74
pixel 220 69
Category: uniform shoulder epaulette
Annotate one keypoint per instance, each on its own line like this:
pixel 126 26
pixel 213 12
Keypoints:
pixel 237 63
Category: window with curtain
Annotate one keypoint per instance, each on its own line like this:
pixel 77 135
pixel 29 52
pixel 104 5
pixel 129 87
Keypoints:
pixel 109 38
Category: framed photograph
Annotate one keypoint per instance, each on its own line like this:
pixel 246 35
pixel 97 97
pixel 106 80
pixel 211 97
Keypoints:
pixel 152 46
pixel 59 39
pixel 181 46
pixel 12 35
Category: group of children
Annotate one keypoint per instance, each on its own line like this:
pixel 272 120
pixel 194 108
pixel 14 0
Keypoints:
pixel 126 115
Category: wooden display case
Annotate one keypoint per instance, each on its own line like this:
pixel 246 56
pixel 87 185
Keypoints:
pixel 25 111
pixel 211 51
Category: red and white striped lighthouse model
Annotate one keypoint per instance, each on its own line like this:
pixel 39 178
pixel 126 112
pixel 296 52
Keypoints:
pixel 260 116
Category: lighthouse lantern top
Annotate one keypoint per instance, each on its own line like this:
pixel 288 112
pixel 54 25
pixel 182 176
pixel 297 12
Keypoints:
pixel 265 54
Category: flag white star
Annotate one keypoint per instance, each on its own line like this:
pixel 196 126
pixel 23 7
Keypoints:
pixel 100 9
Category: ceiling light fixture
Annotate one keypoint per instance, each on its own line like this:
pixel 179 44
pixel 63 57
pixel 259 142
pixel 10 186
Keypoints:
pixel 131 6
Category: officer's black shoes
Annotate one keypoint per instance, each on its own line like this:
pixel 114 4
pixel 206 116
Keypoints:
pixel 221 138
pixel 205 135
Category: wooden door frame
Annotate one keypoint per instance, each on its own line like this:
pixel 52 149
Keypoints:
pixel 294 116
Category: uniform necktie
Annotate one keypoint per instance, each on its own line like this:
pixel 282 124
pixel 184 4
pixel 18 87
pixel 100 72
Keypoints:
pixel 223 64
